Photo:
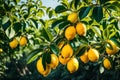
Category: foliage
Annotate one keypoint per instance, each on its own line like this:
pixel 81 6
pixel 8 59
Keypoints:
pixel 26 18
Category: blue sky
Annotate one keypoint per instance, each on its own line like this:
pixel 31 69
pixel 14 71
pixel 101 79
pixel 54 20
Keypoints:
pixel 50 3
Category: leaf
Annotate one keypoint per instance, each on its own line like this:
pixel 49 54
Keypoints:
pixel 46 57
pixel 118 24
pixel 50 13
pixel 33 55
pixel 101 69
pixel 6 25
pixel 10 32
pixel 84 12
pixel 57 22
pixel 17 27
pixel 60 9
pixel 103 1
pixel 47 34
pixel 98 13
pixel 54 49
pixel 81 50
pixel 96 30
pixel 76 2
pixel 34 23
pixel 64 24
pixel 116 42
pixel 42 21
pixel 5 19
pixel 83 39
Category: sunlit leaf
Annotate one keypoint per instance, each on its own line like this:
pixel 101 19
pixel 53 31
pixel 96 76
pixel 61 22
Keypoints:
pixel 10 32
pixel 34 22
pixel 96 30
pixel 5 19
pixel 33 55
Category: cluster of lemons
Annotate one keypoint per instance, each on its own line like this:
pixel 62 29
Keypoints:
pixel 14 43
pixel 66 56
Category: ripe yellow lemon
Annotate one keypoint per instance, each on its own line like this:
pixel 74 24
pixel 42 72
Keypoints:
pixel 23 41
pixel 14 43
pixel 67 51
pixel 84 57
pixel 107 63
pixel 54 61
pixel 81 29
pixel 72 65
pixel 1 50
pixel 70 33
pixel 63 60
pixel 112 51
pixel 73 17
pixel 40 68
pixel 93 55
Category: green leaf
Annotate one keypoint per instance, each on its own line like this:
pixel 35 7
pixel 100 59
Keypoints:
pixel 83 39
pixel 42 21
pixel 17 27
pixel 116 41
pixel 6 25
pixel 81 50
pixel 96 30
pixel 47 34
pixel 98 13
pixel 50 13
pixel 5 19
pixel 60 9
pixel 46 58
pixel 34 22
pixel 64 24
pixel 103 1
pixel 10 32
pixel 54 49
pixel 57 22
pixel 33 55
pixel 84 12
pixel 76 2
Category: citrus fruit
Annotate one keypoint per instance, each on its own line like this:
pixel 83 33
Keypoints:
pixel 84 57
pixel 72 65
pixel 93 55
pixel 63 60
pixel 81 29
pixel 41 69
pixel 73 17
pixel 23 41
pixel 1 50
pixel 54 61
pixel 70 33
pixel 13 44
pixel 113 50
pixel 67 51
pixel 107 63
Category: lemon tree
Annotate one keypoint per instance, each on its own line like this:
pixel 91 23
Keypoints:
pixel 80 38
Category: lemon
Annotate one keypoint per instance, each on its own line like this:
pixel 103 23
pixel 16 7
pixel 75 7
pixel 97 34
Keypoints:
pixel 41 69
pixel 73 17
pixel 70 33
pixel 14 43
pixel 72 65
pixel 107 63
pixel 112 51
pixel 93 55
pixel 84 57
pixel 81 29
pixel 67 51
pixel 54 61
pixel 1 50
pixel 23 41
pixel 63 60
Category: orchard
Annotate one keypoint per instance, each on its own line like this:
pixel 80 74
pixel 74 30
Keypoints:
pixel 79 40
